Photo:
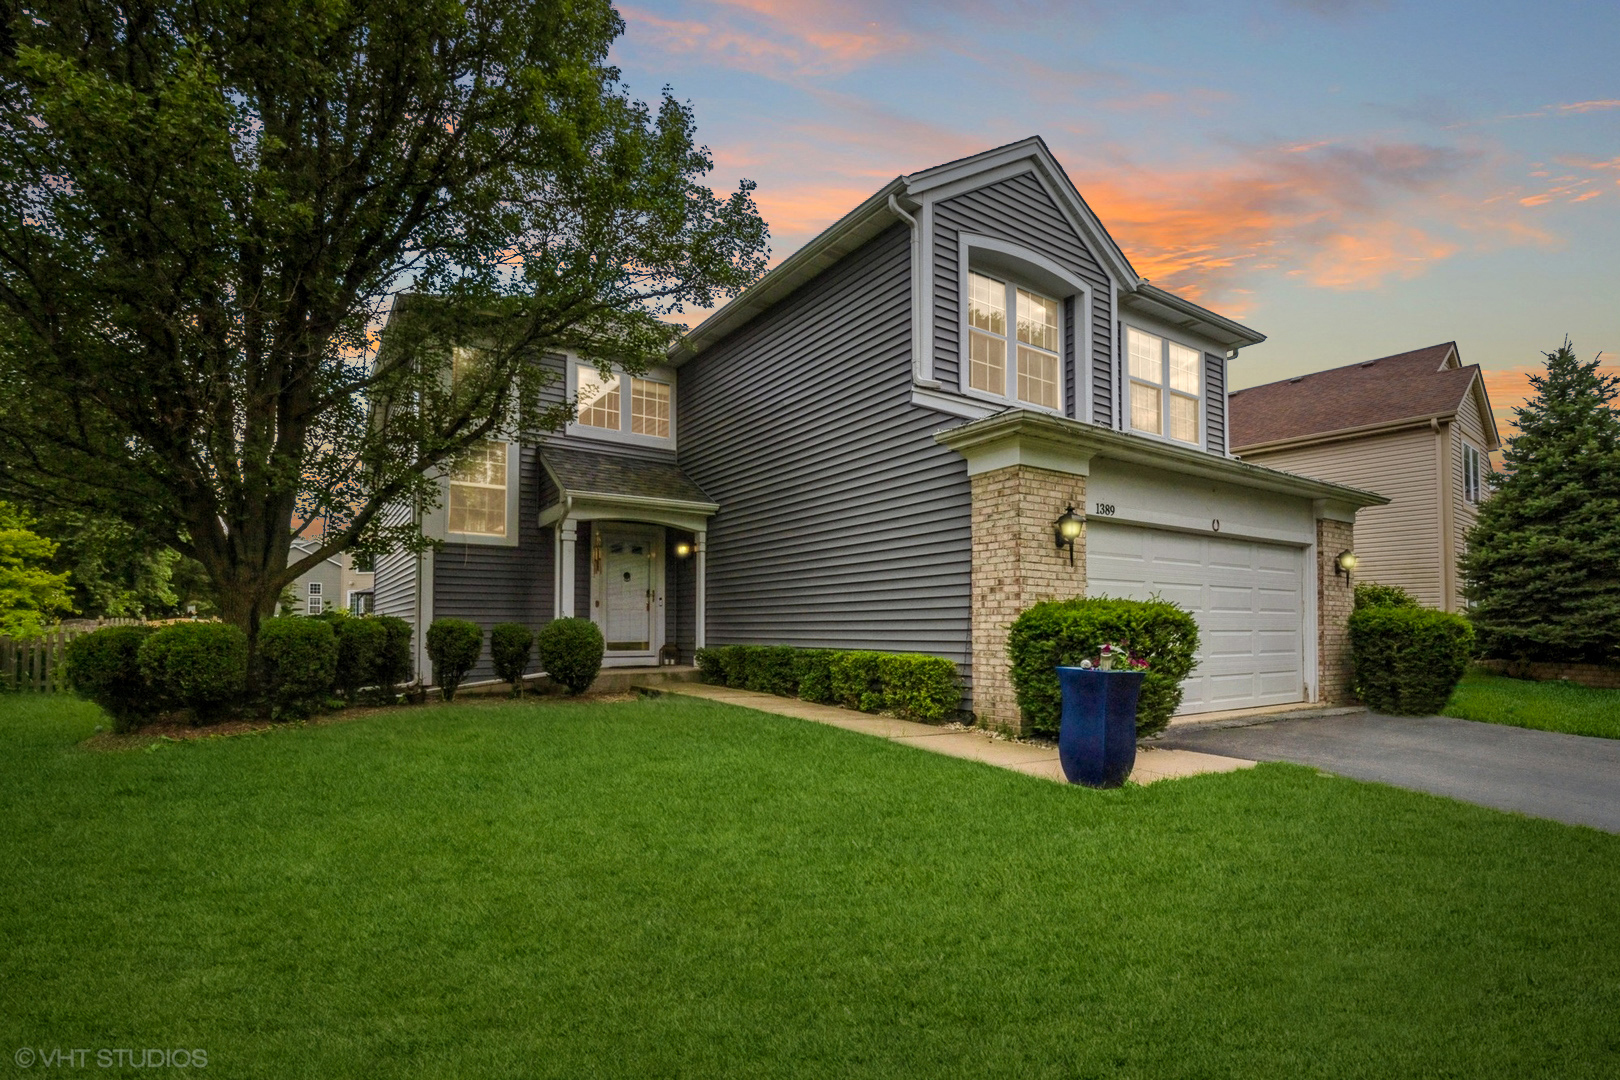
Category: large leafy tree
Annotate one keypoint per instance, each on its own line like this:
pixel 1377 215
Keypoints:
pixel 31 597
pixel 1543 562
pixel 208 210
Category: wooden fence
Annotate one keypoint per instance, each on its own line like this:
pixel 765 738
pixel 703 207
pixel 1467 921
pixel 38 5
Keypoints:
pixel 38 664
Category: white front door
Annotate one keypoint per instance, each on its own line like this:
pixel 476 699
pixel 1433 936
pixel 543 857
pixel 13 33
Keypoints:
pixel 627 590
pixel 1248 598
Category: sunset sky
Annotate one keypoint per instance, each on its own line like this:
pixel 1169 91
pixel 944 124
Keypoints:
pixel 1351 178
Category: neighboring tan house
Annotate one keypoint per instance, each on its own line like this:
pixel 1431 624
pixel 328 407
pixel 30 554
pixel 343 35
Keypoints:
pixel 336 581
pixel 1416 426
pixel 870 448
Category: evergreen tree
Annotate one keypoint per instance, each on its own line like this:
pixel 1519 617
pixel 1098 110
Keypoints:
pixel 1543 561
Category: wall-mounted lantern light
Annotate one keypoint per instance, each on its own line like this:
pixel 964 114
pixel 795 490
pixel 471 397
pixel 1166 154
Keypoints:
pixel 1066 530
pixel 1345 563
pixel 682 549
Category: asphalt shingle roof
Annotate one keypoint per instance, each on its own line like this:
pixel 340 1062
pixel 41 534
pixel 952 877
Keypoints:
pixel 581 472
pixel 1392 388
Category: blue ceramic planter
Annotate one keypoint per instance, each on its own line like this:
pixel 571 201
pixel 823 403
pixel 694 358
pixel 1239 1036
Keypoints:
pixel 1097 740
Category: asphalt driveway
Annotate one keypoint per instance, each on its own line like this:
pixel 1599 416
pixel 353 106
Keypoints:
pixel 1569 778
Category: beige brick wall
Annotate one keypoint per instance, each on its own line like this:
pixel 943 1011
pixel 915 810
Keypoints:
pixel 1015 564
pixel 1335 597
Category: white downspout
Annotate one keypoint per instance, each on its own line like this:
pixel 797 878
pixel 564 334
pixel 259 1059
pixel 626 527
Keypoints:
pixel 916 288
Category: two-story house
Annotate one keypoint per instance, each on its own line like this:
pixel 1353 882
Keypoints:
pixel 871 447
pixel 339 580
pixel 1416 426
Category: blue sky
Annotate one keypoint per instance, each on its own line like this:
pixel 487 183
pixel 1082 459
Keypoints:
pixel 1351 178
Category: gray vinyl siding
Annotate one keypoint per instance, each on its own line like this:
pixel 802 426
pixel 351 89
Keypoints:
pixel 1215 403
pixel 488 584
pixel 394 584
pixel 1019 211
pixel 841 523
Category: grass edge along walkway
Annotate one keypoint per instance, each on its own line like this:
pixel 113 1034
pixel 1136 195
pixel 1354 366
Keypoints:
pixel 1032 759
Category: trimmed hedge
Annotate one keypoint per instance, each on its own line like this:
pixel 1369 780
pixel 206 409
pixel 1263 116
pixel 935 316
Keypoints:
pixel 454 646
pixel 394 664
pixel 909 685
pixel 1408 660
pixel 299 658
pixel 570 651
pixel 360 643
pixel 1371 594
pixel 104 667
pixel 198 666
pixel 510 646
pixel 1065 632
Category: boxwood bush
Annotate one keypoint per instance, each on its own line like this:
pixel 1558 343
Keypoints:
pixel 360 645
pixel 104 667
pixel 1371 594
pixel 570 652
pixel 299 660
pixel 1408 660
pixel 909 685
pixel 454 646
pixel 1065 632
pixel 510 646
pixel 198 666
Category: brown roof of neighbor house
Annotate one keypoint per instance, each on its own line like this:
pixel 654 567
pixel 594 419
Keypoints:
pixel 1405 386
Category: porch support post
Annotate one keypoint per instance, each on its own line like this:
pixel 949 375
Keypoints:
pixel 567 534
pixel 700 588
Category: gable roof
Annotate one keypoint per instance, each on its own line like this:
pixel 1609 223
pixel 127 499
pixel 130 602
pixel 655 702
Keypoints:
pixel 884 208
pixel 1412 386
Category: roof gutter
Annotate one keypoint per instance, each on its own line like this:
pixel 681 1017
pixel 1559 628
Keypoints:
pixel 1234 335
pixel 843 237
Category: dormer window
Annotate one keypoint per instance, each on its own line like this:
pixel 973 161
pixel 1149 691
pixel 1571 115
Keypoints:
pixel 1166 386
pixel 1032 341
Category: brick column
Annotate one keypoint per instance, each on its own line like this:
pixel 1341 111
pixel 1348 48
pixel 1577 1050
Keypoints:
pixel 1016 562
pixel 1335 598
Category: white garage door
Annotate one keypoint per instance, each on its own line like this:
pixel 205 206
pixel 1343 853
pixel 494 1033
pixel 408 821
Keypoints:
pixel 1248 598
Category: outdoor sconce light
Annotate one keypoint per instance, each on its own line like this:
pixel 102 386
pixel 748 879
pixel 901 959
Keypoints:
pixel 1066 529
pixel 1345 563
pixel 682 549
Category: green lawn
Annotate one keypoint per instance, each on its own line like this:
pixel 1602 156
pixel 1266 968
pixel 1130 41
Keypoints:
pixel 679 888
pixel 1547 706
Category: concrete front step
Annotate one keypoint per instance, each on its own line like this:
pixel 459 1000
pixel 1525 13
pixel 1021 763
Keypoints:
pixel 615 680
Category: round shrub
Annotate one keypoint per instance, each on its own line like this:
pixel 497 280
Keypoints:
pixel 360 645
pixel 1408 660
pixel 510 646
pixel 394 664
pixel 1371 594
pixel 1065 632
pixel 104 667
pixel 571 652
pixel 299 658
pixel 200 666
pixel 454 646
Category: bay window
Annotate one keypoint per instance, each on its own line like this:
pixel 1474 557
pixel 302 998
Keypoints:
pixel 1166 386
pixel 477 503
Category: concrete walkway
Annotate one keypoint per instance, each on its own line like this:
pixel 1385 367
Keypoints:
pixel 1033 759
pixel 1570 778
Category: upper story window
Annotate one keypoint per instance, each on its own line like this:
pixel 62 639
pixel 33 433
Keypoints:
pixel 1031 340
pixel 1473 470
pixel 314 605
pixel 1166 386
pixel 478 491
pixel 631 408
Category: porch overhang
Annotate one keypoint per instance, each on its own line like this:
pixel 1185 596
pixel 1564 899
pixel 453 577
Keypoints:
pixel 592 486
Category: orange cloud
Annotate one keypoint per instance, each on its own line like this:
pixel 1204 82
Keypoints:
pixel 1509 388
pixel 771 39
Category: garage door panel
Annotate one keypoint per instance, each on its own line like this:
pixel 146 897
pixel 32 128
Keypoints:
pixel 1248 599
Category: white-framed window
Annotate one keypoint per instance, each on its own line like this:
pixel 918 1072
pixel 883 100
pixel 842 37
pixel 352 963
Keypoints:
pixel 313 607
pixel 1473 472
pixel 477 503
pixel 360 603
pixel 623 407
pixel 1166 386
pixel 1020 358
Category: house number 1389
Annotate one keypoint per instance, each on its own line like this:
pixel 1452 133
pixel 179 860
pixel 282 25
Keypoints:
pixel 1105 509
